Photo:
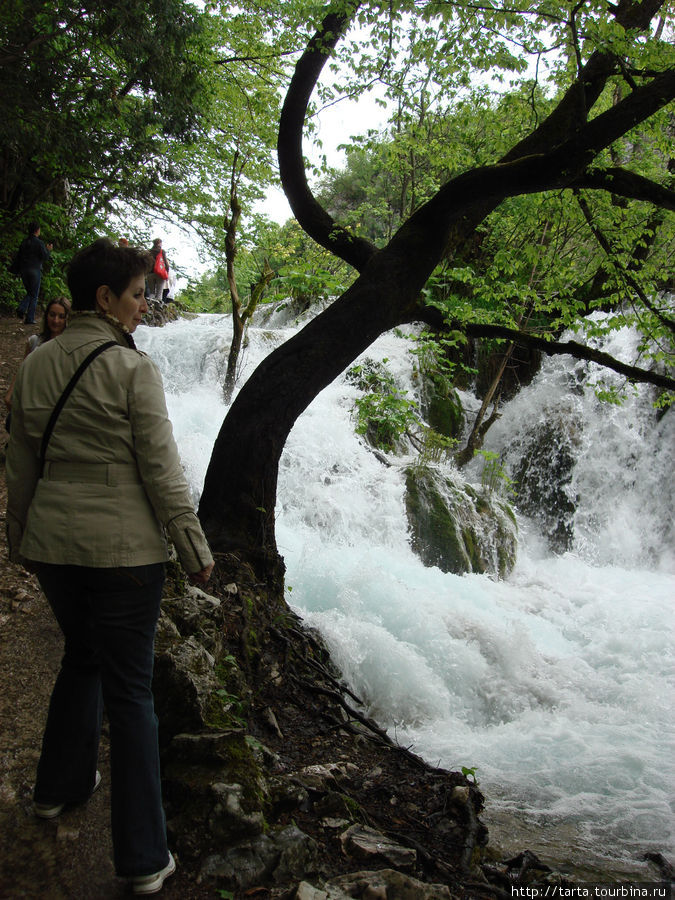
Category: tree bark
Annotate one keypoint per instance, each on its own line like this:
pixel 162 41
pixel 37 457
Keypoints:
pixel 231 225
pixel 237 504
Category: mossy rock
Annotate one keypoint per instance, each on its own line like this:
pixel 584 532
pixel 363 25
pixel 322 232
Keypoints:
pixel 216 785
pixel 543 478
pixel 457 528
pixel 442 408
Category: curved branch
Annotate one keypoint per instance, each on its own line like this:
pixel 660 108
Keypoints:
pixel 628 277
pixel 311 216
pixel 635 108
pixel 571 112
pixel 626 184
pixel 434 317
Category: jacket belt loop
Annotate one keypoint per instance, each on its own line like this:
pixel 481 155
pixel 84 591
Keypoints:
pixel 111 475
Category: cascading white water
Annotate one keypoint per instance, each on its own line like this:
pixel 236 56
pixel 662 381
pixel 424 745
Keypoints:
pixel 556 684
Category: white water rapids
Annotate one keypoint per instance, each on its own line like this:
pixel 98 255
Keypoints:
pixel 555 684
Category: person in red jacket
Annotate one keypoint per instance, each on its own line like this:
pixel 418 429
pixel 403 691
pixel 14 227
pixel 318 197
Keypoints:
pixel 158 280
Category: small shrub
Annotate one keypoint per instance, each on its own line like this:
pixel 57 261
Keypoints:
pixel 384 413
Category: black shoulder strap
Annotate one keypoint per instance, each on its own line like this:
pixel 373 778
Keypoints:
pixel 64 396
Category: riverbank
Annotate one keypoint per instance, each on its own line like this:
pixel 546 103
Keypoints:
pixel 372 783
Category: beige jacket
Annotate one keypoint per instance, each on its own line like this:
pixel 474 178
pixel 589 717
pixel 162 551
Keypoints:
pixel 113 483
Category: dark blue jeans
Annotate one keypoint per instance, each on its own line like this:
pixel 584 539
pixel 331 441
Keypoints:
pixel 108 618
pixel 31 281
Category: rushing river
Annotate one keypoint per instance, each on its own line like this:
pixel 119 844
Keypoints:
pixel 555 684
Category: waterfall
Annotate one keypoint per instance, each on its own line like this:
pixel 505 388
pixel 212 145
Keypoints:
pixel 555 684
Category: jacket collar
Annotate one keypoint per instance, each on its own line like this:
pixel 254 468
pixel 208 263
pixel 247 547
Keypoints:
pixel 86 326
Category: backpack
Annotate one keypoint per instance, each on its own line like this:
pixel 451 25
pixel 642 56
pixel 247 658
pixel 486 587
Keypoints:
pixel 160 266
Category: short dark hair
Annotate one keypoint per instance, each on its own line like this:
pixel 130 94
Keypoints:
pixel 103 262
pixel 33 227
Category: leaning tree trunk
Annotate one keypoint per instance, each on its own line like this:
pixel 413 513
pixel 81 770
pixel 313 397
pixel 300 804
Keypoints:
pixel 231 224
pixel 238 502
pixel 239 497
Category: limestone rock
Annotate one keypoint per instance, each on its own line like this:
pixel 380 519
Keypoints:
pixel 305 891
pixel 196 613
pixel 209 748
pixel 214 790
pixel 230 818
pixel 286 855
pixel 363 842
pixel 323 778
pixel 185 670
pixel 285 794
pixel 458 528
pixel 385 884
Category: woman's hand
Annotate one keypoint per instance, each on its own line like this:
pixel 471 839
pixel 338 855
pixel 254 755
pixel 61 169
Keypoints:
pixel 201 577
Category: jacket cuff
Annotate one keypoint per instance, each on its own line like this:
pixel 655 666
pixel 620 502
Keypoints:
pixel 191 546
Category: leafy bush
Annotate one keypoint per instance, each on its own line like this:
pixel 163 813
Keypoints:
pixel 384 414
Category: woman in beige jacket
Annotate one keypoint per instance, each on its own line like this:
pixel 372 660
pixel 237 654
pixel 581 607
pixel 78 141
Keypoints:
pixel 92 519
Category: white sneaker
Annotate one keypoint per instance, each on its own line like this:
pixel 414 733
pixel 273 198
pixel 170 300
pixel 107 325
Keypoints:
pixel 151 884
pixel 52 810
pixel 48 810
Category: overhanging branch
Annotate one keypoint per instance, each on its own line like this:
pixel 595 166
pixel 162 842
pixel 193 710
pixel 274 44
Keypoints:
pixel 434 318
pixel 575 349
pixel 626 184
pixel 311 216
pixel 478 191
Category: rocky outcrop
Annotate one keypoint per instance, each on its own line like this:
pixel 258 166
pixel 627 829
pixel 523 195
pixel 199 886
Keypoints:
pixel 160 313
pixel 544 474
pixel 272 778
pixel 457 527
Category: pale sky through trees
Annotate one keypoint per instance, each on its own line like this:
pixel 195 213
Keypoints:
pixel 337 124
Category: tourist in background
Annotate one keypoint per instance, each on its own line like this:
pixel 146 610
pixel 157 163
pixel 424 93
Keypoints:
pixel 159 276
pixel 33 254
pixel 53 324
pixel 168 295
